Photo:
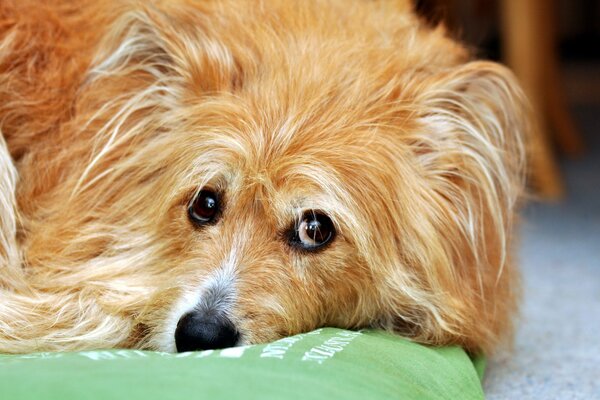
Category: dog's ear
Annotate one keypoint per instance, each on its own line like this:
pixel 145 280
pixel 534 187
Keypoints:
pixel 475 127
pixel 469 156
pixel 167 44
pixel 150 65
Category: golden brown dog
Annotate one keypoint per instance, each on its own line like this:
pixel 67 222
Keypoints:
pixel 180 175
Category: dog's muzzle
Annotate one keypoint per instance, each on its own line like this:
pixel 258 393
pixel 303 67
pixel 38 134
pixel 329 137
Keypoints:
pixel 199 330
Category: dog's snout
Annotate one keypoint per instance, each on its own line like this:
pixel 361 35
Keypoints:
pixel 200 331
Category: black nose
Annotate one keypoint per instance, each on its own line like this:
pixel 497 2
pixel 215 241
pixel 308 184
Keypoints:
pixel 201 331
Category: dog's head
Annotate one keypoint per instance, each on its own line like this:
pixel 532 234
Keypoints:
pixel 263 172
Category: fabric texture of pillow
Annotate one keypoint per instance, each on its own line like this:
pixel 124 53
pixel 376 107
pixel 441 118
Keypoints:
pixel 324 364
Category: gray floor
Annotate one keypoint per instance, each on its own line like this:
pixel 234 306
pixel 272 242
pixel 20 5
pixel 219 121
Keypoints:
pixel 557 351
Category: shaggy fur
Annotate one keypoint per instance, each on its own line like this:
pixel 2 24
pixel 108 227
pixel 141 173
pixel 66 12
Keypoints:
pixel 114 114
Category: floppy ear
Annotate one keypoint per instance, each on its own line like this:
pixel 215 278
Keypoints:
pixel 469 155
pixel 151 63
pixel 167 44
pixel 475 127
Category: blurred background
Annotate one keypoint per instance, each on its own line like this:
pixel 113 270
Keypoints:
pixel 554 48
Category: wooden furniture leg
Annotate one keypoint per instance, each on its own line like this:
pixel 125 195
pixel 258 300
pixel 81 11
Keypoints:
pixel 527 53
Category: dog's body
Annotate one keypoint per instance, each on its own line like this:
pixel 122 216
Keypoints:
pixel 117 116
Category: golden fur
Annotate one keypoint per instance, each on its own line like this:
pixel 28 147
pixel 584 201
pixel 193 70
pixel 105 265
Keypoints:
pixel 114 114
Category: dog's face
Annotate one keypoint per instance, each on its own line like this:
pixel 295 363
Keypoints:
pixel 252 181
pixel 271 240
pixel 272 217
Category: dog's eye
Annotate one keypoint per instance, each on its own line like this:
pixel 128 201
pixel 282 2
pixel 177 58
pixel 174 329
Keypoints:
pixel 314 231
pixel 204 208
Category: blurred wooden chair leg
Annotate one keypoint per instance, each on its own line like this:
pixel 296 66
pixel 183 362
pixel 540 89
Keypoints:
pixel 544 173
pixel 529 51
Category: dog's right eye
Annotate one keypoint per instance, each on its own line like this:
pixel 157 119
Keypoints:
pixel 313 232
pixel 204 208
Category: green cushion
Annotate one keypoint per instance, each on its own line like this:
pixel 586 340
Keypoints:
pixel 324 364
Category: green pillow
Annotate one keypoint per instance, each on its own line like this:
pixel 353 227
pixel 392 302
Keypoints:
pixel 324 364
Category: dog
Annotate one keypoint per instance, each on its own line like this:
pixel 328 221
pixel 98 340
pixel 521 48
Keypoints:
pixel 188 175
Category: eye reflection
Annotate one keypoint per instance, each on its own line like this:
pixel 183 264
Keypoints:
pixel 204 208
pixel 314 231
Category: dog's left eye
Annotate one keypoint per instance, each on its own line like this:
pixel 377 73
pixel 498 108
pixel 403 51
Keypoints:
pixel 204 208
pixel 314 231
